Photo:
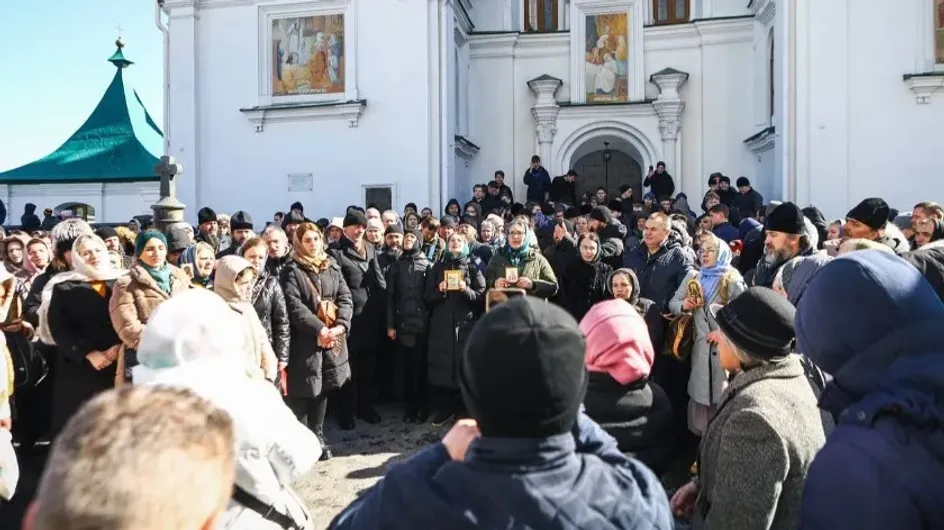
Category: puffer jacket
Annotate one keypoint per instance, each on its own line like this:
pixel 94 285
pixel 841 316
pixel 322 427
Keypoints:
pixel 407 312
pixel 883 465
pixel 273 448
pixel 268 300
pixel 135 296
pixel 533 266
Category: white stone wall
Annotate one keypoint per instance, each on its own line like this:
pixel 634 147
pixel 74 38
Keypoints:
pixel 859 130
pixel 112 202
pixel 215 71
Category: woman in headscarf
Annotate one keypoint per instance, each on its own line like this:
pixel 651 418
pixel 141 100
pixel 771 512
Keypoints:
pixel 14 252
pixel 517 256
pixel 234 280
pixel 268 300
pixel 624 285
pixel 452 208
pixel 38 255
pixel 73 317
pixel 716 283
pixel 584 280
pixel 149 283
pixel 189 342
pixel 620 397
pixel 318 361
pixel 199 262
pixel 452 310
pixel 756 452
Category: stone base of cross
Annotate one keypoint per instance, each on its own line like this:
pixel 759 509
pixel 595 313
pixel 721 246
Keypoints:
pixel 168 209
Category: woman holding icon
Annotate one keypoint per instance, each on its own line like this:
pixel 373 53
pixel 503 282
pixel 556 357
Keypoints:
pixel 518 265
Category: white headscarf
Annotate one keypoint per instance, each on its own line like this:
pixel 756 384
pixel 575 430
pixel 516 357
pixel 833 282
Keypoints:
pixel 81 271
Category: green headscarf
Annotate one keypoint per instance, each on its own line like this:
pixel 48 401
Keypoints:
pixel 160 275
pixel 515 257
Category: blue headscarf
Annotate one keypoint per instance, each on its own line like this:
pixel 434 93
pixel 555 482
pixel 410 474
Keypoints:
pixel 711 276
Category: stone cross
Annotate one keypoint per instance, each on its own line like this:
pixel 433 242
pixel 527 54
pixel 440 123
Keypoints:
pixel 168 209
pixel 168 169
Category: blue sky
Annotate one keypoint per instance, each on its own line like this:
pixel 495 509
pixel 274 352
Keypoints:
pixel 54 68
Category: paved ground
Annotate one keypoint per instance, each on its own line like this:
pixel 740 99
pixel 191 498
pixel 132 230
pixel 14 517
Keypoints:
pixel 361 458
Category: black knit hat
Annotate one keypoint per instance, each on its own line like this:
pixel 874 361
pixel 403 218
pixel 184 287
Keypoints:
pixel 786 218
pixel 205 215
pixel 470 220
pixel 292 218
pixel 240 221
pixel 602 214
pixel 542 381
pixel 742 181
pixel 447 220
pixel 297 206
pixel 106 232
pixel 585 209
pixel 759 322
pixel 872 212
pixel 355 218
pixel 572 213
pixel 395 228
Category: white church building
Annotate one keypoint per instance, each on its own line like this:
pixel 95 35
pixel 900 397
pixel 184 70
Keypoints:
pixel 337 102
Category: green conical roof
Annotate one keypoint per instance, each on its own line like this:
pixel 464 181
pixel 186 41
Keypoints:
pixel 119 142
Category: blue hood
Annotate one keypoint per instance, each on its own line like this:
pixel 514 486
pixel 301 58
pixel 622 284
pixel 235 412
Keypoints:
pixel 873 322
pixel 747 225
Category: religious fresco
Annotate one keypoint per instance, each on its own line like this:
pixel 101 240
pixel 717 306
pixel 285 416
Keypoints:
pixel 308 55
pixel 607 58
pixel 939 31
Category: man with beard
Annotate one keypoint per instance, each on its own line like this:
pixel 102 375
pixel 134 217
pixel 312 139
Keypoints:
pixel 358 261
pixel 292 221
pixel 391 249
pixel 869 220
pixel 208 228
pixel 240 225
pixel 786 239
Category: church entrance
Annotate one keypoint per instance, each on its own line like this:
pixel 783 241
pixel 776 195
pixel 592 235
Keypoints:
pixel 607 162
pixel 80 210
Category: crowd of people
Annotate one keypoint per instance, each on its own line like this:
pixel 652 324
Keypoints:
pixel 577 347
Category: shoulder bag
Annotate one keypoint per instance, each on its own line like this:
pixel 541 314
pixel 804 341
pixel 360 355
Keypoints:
pixel 681 330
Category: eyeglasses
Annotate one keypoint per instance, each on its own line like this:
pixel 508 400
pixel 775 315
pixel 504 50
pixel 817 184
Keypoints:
pixel 516 233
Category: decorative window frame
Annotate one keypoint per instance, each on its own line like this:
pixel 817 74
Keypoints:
pixel 636 12
pixel 562 11
pixel 269 12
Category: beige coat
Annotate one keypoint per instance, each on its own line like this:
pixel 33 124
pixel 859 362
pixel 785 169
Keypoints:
pixel 135 296
pixel 259 350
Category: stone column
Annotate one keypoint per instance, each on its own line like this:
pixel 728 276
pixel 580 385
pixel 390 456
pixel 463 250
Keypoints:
pixel 545 112
pixel 669 107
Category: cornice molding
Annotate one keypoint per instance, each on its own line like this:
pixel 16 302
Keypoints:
pixel 762 142
pixel 924 85
pixel 496 45
pixel 350 111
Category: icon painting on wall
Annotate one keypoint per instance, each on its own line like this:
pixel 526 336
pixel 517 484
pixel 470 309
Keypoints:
pixel 607 58
pixel 308 55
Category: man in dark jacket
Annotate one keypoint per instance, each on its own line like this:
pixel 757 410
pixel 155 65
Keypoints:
pixel 611 233
pixel 240 225
pixel 361 271
pixel 721 227
pixel 659 182
pixel 29 221
pixel 883 465
pixel 564 189
pixel 785 238
pixel 530 457
pixel 748 201
pixel 538 181
pixel 407 318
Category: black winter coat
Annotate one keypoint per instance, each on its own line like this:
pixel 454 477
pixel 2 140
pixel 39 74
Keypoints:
pixel 748 204
pixel 583 285
pixel 659 277
pixel 274 266
pixel 638 415
pixel 563 191
pixel 367 288
pixel 312 370
pixel 660 185
pixel 387 257
pixel 406 297
pixel 269 302
pixel 79 322
pixel 450 311
pixel 611 243
pixel 560 255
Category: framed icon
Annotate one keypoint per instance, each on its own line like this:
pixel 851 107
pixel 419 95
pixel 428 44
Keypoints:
pixel 453 278
pixel 511 274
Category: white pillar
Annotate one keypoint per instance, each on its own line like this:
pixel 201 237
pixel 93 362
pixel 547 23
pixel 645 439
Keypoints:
pixel 669 107
pixel 182 83
pixel 545 112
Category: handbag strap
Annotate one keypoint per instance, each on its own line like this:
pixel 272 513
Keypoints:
pixel 267 511
pixel 315 292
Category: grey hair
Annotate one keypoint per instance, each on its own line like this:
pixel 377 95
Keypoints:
pixel 487 223
pixel 746 359
pixel 395 214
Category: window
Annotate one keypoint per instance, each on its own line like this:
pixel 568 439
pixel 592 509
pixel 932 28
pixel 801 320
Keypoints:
pixel 380 197
pixel 540 15
pixel 939 31
pixel 671 11
pixel 772 74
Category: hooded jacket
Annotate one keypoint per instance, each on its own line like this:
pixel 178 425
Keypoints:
pixel 29 221
pixel 260 356
pixel 883 465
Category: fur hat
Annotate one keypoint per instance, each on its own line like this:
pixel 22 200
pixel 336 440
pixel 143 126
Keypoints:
pixel 66 232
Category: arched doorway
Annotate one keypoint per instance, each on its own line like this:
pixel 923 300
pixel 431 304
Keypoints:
pixel 83 211
pixel 630 152
pixel 607 162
